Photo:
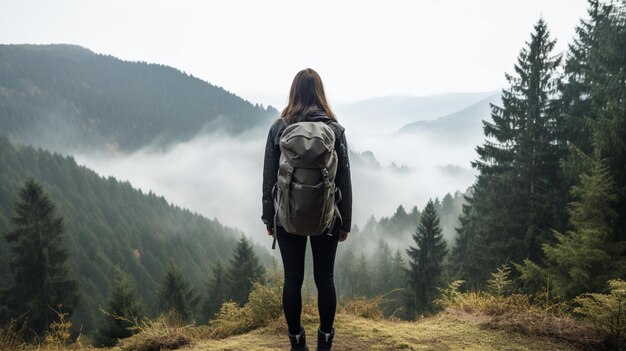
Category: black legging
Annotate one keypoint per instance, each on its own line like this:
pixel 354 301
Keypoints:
pixel 292 249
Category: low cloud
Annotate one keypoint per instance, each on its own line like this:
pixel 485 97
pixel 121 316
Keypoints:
pixel 220 176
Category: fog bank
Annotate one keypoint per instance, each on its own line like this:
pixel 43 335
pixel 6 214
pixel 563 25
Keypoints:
pixel 220 176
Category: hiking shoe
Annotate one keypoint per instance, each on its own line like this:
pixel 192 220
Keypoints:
pixel 325 340
pixel 298 341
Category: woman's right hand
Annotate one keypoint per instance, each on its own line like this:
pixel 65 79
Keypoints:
pixel 343 235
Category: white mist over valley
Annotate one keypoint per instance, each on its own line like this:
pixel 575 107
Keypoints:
pixel 219 175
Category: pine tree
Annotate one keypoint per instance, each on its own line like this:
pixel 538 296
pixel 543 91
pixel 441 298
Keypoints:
pixel 362 276
pixel 346 275
pixel 593 95
pixel 39 261
pixel 414 216
pixel 396 291
pixel 425 262
pixel 583 259
pixel 123 311
pixel 467 257
pixel 575 87
pixel 447 205
pixel 608 96
pixel 500 283
pixel 243 271
pixel 397 278
pixel 383 269
pixel 370 225
pixel 177 294
pixel 216 292
pixel 518 194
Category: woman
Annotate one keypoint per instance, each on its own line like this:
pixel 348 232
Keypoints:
pixel 307 102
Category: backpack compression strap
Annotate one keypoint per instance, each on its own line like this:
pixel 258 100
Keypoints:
pixel 286 190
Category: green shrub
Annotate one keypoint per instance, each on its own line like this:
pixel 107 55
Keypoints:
pixel 58 334
pixel 264 306
pixel 231 319
pixel 607 312
pixel 265 302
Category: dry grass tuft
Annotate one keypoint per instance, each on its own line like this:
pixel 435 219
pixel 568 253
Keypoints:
pixel 365 307
pixel 17 337
pixel 12 336
pixel 164 333
pixel 480 302
pixel 519 313
pixel 58 335
pixel 556 326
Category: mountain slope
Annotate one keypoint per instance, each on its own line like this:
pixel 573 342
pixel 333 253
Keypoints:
pixel 466 122
pixel 387 114
pixel 66 97
pixel 109 223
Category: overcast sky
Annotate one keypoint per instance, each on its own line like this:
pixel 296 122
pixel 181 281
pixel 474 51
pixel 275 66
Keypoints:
pixel 253 48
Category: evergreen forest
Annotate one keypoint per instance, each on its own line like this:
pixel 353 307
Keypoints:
pixel 68 98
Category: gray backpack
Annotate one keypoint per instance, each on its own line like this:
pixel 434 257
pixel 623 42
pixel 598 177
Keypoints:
pixel 305 194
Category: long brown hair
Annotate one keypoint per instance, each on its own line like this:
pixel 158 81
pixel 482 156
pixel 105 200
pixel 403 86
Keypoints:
pixel 306 95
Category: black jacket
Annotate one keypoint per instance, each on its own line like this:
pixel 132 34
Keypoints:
pixel 342 177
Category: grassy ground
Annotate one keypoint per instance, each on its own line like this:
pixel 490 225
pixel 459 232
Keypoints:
pixel 441 332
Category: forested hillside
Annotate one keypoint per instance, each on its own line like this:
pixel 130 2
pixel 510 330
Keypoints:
pixel 66 98
pixel 546 216
pixel 109 225
pixel 551 194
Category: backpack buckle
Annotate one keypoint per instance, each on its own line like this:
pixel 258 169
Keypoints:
pixel 325 172
pixel 326 177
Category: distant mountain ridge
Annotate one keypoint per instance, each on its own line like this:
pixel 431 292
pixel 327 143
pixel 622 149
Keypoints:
pixel 67 97
pixel 389 113
pixel 467 122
